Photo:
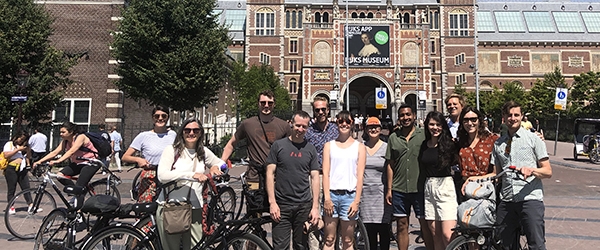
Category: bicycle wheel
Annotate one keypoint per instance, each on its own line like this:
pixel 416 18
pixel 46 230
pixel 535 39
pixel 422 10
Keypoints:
pixel 595 155
pixel 227 202
pixel 361 240
pixel 118 237
pixel 99 187
pixel 53 232
pixel 135 186
pixel 245 241
pixel 460 243
pixel 24 224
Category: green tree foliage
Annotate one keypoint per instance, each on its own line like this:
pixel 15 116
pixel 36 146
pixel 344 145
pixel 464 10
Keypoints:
pixel 249 83
pixel 172 53
pixel 585 95
pixel 24 46
pixel 541 95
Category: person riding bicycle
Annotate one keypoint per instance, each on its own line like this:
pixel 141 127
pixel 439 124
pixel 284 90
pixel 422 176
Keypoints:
pixel 72 143
pixel 591 139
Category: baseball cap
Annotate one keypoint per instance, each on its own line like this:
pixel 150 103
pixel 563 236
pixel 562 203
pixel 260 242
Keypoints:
pixel 373 121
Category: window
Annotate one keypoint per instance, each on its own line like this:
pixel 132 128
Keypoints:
pixel 265 22
pixel 434 105
pixel 237 19
pixel 293 86
pixel 509 21
pixel 325 18
pixel 460 79
pixel 485 22
pixel 287 19
pixel 592 21
pixel 435 20
pixel 432 46
pixel 299 19
pixel 459 59
pixel 293 19
pixel 434 87
pixel 568 22
pixel 293 66
pixel 294 46
pixel 539 21
pixel 459 23
pixel 265 58
pixel 73 110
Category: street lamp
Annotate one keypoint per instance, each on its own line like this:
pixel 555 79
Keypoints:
pixel 22 78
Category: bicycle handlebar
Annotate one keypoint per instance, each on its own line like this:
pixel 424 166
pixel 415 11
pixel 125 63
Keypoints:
pixel 491 178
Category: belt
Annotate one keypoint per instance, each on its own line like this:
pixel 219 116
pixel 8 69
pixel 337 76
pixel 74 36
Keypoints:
pixel 342 191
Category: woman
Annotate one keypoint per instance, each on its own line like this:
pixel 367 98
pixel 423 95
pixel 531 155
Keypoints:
pixel 71 144
pixel 437 155
pixel 375 213
pixel 343 169
pixel 188 159
pixel 17 152
pixel 151 145
pixel 476 144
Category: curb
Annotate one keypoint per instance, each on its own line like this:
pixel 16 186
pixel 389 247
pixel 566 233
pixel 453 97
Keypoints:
pixel 564 164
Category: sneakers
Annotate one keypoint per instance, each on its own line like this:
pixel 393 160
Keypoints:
pixel 30 209
pixel 12 211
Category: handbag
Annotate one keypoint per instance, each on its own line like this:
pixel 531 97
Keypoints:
pixel 480 190
pixel 177 215
pixel 3 161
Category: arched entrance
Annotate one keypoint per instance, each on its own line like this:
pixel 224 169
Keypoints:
pixel 362 96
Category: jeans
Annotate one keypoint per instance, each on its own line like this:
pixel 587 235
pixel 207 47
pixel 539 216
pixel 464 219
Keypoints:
pixel 529 215
pixel 292 219
pixel 12 178
pixel 85 172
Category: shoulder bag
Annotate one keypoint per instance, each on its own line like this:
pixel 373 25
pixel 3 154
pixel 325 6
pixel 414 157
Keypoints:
pixel 177 215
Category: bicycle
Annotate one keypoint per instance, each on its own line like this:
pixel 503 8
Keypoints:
pixel 24 223
pixel 484 237
pixel 226 234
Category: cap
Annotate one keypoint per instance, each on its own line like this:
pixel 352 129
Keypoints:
pixel 373 121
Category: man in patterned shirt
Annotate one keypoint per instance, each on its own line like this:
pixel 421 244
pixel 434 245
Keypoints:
pixel 521 195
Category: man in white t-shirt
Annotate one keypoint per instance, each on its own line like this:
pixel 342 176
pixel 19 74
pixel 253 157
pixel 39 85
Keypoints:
pixel 115 142
pixel 37 143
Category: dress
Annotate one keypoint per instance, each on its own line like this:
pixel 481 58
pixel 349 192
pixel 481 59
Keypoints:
pixel 373 208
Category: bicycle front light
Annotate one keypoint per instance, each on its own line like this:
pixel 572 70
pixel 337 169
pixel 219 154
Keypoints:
pixel 480 240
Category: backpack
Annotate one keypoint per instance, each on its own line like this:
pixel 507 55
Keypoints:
pixel 477 213
pixel 100 143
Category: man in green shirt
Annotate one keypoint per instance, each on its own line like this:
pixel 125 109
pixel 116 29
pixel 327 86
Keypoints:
pixel 404 183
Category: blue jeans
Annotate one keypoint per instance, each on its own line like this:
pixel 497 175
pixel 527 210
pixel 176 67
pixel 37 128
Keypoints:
pixel 342 199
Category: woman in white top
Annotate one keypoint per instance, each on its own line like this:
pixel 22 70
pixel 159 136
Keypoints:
pixel 187 160
pixel 17 152
pixel 344 162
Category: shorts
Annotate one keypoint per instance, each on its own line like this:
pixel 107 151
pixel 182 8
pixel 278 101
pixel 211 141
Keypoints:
pixel 341 200
pixel 440 199
pixel 401 203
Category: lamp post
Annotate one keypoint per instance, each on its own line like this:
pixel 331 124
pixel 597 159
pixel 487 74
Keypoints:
pixel 22 78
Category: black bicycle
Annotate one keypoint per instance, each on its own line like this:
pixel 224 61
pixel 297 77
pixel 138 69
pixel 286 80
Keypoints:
pixel 226 235
pixel 32 205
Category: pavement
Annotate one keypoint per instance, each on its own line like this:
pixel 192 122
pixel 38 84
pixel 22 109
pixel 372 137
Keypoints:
pixel 564 157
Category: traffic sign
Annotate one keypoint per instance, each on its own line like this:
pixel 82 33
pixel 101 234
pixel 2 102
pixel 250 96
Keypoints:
pixel 18 98
pixel 380 98
pixel 560 100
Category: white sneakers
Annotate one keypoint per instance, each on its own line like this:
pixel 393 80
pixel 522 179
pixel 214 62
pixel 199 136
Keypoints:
pixel 30 209
pixel 12 211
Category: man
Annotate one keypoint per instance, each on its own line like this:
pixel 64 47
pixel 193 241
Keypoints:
pixel 106 136
pixel 260 131
pixel 404 182
pixel 319 132
pixel 37 143
pixel 293 198
pixel 525 123
pixel 454 104
pixel 521 196
pixel 115 143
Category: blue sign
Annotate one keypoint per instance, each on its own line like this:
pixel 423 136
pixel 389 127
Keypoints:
pixel 18 98
pixel 380 94
pixel 562 95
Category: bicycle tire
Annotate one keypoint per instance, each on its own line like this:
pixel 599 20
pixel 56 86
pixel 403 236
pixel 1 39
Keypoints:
pixel 99 187
pixel 227 203
pixel 459 243
pixel 118 237
pixel 53 232
pixel 244 241
pixel 135 186
pixel 25 225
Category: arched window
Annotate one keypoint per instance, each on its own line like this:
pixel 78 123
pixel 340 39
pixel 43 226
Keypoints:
pixel 406 18
pixel 317 17
pixel 299 19
pixel 325 17
pixel 459 23
pixel 370 15
pixel 265 22
pixel 362 15
pixel 293 19
pixel 287 19
pixel 354 15
pixel 293 86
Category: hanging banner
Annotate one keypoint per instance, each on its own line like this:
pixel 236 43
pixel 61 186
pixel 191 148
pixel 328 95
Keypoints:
pixel 367 45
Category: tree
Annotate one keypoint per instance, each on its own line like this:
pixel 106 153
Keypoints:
pixel 171 53
pixel 541 95
pixel 585 95
pixel 249 83
pixel 24 47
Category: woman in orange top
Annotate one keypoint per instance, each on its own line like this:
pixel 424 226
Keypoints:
pixel 476 144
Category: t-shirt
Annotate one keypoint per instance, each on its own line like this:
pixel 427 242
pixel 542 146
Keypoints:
pixel 152 144
pixel 9 146
pixel 37 142
pixel 116 138
pixel 318 137
pixel 258 145
pixel 429 162
pixel 294 162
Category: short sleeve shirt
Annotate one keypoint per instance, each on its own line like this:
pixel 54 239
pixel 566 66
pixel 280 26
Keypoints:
pixel 476 161
pixel 318 137
pixel 294 162
pixel 523 149
pixel 116 138
pixel 405 155
pixel 152 144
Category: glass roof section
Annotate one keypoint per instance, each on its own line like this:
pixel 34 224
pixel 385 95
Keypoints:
pixel 568 22
pixel 485 22
pixel 237 19
pixel 509 21
pixel 539 21
pixel 592 21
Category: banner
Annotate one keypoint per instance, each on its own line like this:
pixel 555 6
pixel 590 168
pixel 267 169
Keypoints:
pixel 368 45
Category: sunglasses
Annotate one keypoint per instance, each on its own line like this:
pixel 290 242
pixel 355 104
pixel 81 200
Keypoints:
pixel 319 110
pixel 470 119
pixel 341 121
pixel 374 127
pixel 189 130
pixel 270 103
pixel 161 116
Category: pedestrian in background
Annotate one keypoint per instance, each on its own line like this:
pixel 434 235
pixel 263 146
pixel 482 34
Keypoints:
pixel 17 152
pixel 115 142
pixel 38 143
